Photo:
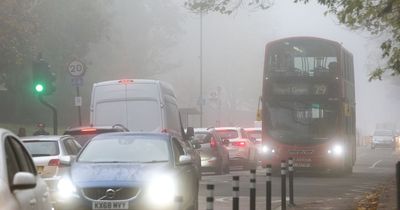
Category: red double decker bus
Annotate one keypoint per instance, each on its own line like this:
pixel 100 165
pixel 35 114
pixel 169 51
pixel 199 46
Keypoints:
pixel 308 104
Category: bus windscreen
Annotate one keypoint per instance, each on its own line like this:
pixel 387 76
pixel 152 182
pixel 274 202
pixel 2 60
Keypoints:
pixel 306 58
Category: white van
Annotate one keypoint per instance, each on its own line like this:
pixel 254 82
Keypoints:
pixel 137 104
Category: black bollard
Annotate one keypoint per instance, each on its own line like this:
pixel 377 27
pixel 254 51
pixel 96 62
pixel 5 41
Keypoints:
pixel 283 185
pixel 291 177
pixel 178 202
pixel 253 190
pixel 398 183
pixel 235 188
pixel 210 197
pixel 269 186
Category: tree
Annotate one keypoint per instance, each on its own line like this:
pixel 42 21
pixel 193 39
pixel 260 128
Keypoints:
pixel 59 30
pixel 67 30
pixel 375 16
pixel 226 6
pixel 138 41
pixel 18 29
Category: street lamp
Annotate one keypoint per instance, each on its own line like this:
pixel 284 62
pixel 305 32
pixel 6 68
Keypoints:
pixel 200 6
pixel 201 67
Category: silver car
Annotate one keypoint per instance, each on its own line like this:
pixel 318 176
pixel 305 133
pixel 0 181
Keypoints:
pixel 47 152
pixel 242 151
pixel 20 186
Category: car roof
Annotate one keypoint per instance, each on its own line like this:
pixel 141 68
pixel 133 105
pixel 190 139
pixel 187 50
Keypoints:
pixel 227 128
pixel 202 130
pixel 6 132
pixel 253 129
pixel 144 134
pixel 111 127
pixel 44 138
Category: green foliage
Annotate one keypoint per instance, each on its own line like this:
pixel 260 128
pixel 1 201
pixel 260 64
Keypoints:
pixel 375 16
pixel 59 30
pixel 378 17
pixel 225 6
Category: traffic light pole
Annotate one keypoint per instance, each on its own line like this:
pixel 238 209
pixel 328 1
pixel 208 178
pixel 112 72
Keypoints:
pixel 55 124
pixel 79 107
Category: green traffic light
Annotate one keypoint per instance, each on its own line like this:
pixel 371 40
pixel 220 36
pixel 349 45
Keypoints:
pixel 39 88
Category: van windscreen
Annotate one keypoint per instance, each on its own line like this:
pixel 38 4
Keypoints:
pixel 135 114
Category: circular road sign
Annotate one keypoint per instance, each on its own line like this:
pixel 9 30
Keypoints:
pixel 76 68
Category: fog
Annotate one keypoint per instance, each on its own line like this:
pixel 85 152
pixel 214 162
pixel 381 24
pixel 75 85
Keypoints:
pixel 164 44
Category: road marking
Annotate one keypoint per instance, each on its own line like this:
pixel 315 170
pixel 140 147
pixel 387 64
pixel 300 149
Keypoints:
pixel 376 163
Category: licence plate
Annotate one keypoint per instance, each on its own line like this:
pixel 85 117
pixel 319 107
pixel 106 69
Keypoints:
pixel 39 169
pixel 110 205
pixel 302 165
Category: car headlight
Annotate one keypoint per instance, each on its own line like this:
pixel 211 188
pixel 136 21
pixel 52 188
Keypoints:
pixel 336 150
pixel 66 188
pixel 161 191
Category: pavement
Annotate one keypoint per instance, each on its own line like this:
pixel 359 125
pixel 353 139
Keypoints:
pixel 383 197
pixel 388 197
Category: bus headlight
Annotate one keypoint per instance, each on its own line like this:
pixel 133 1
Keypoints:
pixel 267 150
pixel 161 191
pixel 336 150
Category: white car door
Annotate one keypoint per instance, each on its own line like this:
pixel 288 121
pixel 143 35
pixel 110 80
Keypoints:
pixel 41 190
pixel 25 198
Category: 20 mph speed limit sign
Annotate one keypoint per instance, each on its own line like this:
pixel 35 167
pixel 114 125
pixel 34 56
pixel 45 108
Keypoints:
pixel 76 68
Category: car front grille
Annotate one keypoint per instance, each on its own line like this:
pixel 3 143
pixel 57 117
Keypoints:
pixel 301 152
pixel 105 193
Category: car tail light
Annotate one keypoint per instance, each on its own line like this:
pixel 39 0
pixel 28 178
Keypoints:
pixel 239 144
pixel 54 162
pixel 213 143
pixel 88 130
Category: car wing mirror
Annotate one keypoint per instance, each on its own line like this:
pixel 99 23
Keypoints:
pixel 252 139
pixel 23 180
pixel 225 142
pixel 67 160
pixel 185 160
pixel 196 145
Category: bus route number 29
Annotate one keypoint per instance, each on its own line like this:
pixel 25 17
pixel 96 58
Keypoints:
pixel 320 89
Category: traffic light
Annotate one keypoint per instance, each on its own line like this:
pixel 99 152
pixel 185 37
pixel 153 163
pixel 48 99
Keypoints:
pixel 43 78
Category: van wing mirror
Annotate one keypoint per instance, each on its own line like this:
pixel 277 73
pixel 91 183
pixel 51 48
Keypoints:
pixel 189 132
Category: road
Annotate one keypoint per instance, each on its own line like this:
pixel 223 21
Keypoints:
pixel 311 191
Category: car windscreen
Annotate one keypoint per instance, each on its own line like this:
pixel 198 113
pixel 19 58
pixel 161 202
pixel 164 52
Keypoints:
pixel 42 148
pixel 126 149
pixel 255 134
pixel 383 133
pixel 228 134
pixel 201 138
pixel 82 137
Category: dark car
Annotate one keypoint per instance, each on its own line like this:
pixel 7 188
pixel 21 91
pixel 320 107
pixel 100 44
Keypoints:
pixel 214 155
pixel 84 134
pixel 130 171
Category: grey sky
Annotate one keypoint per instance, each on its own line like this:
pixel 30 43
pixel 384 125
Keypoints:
pixel 233 53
